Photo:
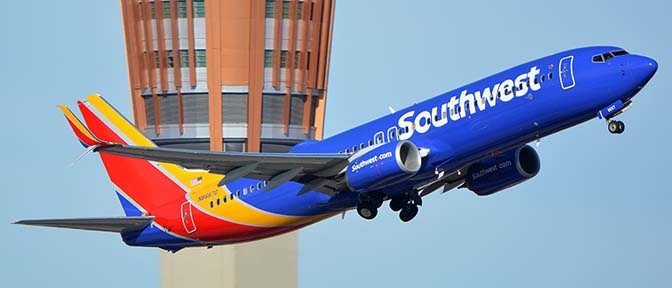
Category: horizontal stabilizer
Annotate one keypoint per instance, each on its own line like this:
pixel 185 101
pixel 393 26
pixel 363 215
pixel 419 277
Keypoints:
pixel 116 224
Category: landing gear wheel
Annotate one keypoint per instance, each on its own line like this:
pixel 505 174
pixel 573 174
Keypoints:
pixel 621 127
pixel 367 212
pixel 613 127
pixel 408 212
pixel 375 199
pixel 616 127
pixel 398 203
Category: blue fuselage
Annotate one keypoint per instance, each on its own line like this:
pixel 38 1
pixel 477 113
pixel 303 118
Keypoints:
pixel 498 113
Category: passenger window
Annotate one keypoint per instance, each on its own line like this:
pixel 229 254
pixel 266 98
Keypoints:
pixel 238 193
pixel 217 201
pixel 370 142
pixel 211 205
pixel 550 76
pixel 224 199
pixel 244 192
pixel 232 196
pixel 251 188
pixel 347 151
pixel 259 186
pixel 361 146
pixel 543 78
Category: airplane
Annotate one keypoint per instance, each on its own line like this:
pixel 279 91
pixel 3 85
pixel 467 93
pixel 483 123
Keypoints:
pixel 474 137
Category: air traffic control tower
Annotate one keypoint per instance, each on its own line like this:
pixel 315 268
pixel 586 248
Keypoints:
pixel 229 75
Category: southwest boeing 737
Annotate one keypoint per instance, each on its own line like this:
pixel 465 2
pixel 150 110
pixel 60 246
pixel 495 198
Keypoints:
pixel 474 137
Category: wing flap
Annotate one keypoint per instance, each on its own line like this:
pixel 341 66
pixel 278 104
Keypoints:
pixel 115 224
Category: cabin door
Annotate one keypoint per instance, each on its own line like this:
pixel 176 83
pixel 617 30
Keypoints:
pixel 187 219
pixel 567 72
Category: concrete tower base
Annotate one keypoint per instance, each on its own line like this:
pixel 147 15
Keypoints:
pixel 266 263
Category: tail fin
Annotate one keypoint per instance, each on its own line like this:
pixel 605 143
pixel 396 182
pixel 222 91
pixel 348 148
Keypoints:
pixel 143 187
pixel 86 138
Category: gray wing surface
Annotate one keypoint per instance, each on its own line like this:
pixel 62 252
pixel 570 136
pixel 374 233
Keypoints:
pixel 320 172
pixel 115 224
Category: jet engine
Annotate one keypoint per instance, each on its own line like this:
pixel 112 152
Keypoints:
pixel 383 166
pixel 499 172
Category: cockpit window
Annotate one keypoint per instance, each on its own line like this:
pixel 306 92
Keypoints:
pixel 607 56
pixel 619 53
pixel 600 58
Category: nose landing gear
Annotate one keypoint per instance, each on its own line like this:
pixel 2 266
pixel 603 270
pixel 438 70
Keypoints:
pixel 616 127
pixel 611 111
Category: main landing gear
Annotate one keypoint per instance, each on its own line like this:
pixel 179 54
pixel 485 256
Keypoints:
pixel 369 204
pixel 616 127
pixel 407 205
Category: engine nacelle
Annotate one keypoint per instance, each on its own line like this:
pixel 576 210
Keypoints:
pixel 497 173
pixel 383 166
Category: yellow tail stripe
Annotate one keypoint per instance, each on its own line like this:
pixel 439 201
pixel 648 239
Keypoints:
pixel 75 121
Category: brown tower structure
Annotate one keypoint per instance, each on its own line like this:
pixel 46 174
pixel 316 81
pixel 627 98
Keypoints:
pixel 229 75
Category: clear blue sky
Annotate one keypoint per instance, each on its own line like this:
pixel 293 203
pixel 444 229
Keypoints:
pixel 597 215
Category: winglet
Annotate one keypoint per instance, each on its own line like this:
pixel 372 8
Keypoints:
pixel 86 138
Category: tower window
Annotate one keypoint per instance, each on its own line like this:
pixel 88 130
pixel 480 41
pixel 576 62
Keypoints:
pixel 270 8
pixel 199 9
pixel 200 58
pixel 181 9
pixel 268 58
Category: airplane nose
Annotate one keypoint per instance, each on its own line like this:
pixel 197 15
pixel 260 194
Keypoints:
pixel 644 68
pixel 653 66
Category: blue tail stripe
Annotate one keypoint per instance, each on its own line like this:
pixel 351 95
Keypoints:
pixel 128 207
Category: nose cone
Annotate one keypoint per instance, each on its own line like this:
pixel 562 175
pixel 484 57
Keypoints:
pixel 643 68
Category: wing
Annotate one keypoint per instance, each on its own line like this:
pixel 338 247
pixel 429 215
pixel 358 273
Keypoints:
pixel 117 224
pixel 319 172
